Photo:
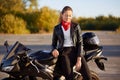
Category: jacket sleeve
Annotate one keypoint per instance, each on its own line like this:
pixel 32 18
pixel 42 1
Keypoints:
pixel 79 44
pixel 54 40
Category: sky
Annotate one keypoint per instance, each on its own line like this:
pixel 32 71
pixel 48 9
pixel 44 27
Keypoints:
pixel 85 8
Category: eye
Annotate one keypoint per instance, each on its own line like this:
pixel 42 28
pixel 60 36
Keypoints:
pixel 68 15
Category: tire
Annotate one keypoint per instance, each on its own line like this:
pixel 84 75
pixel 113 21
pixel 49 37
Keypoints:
pixel 94 75
pixel 37 78
pixel 8 79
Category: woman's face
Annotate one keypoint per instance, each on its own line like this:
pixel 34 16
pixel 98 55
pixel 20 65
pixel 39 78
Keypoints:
pixel 67 16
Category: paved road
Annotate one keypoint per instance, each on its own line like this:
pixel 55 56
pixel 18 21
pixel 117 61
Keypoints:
pixel 109 40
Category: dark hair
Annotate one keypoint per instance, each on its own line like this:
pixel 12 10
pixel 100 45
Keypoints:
pixel 63 10
pixel 66 8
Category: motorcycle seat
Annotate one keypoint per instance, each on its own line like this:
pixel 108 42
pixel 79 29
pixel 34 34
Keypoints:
pixel 43 57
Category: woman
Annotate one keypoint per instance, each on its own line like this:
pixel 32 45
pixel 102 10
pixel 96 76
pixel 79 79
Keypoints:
pixel 67 45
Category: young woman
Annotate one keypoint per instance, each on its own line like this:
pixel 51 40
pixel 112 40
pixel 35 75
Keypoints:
pixel 67 45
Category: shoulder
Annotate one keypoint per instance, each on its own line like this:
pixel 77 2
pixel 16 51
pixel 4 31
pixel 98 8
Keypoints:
pixel 57 26
pixel 75 25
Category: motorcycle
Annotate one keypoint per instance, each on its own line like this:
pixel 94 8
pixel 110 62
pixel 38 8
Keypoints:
pixel 20 64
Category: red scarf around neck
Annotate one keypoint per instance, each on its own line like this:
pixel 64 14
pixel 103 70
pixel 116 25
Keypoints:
pixel 66 25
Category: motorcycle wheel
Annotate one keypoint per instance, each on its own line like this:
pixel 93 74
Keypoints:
pixel 94 76
pixel 37 78
pixel 8 78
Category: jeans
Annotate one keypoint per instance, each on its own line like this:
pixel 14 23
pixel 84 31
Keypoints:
pixel 85 70
pixel 65 63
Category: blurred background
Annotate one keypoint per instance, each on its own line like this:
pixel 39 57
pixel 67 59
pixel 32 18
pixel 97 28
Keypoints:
pixel 40 16
pixel 32 21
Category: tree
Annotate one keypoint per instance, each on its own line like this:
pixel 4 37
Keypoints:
pixel 31 20
pixel 47 19
pixel 31 5
pixel 12 24
pixel 11 6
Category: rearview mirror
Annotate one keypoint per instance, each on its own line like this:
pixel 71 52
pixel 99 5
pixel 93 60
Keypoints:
pixel 6 45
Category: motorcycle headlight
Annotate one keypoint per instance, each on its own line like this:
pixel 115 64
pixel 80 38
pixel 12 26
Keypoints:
pixel 8 68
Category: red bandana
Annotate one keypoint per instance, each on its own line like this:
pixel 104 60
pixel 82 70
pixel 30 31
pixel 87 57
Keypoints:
pixel 65 25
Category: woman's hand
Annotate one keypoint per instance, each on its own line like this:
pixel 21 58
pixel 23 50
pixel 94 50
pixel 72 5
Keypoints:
pixel 55 53
pixel 78 64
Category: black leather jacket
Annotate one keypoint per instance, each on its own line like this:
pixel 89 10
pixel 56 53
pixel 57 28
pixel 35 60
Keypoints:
pixel 75 33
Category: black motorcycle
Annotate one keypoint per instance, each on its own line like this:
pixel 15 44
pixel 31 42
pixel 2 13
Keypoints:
pixel 21 64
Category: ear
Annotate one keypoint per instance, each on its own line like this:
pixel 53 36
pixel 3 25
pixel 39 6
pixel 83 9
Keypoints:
pixel 60 17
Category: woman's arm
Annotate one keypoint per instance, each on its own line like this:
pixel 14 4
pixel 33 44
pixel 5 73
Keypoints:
pixel 55 52
pixel 79 41
pixel 78 64
pixel 54 40
pixel 79 48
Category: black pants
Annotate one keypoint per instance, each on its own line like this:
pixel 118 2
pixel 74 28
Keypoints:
pixel 85 70
pixel 65 63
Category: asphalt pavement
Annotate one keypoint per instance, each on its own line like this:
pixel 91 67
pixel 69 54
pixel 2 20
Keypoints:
pixel 108 39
